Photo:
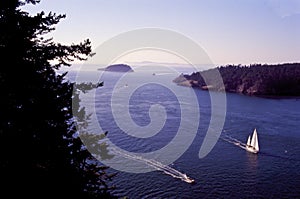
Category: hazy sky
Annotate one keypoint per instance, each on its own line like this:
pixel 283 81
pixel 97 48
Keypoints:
pixel 230 31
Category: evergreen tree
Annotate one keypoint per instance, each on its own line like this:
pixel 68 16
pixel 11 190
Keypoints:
pixel 41 156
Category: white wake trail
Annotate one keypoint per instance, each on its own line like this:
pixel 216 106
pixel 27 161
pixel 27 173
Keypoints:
pixel 234 141
pixel 157 165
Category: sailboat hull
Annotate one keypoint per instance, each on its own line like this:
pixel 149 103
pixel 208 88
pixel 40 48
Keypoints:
pixel 251 149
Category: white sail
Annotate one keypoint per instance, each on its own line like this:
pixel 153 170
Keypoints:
pixel 248 141
pixel 255 140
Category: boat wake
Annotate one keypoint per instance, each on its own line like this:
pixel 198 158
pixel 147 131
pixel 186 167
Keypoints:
pixel 234 141
pixel 157 165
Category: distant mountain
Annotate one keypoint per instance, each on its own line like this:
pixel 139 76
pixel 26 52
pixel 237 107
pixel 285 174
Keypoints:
pixel 259 80
pixel 118 68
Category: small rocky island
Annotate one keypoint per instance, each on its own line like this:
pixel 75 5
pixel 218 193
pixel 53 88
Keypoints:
pixel 280 80
pixel 124 68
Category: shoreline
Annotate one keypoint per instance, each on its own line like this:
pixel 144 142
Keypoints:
pixel 244 94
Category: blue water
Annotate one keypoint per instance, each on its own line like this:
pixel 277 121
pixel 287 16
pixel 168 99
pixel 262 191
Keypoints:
pixel 227 171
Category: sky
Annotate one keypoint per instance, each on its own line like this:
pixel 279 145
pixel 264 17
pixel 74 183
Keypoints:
pixel 230 32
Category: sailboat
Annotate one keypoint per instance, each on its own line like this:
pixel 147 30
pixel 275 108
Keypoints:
pixel 252 143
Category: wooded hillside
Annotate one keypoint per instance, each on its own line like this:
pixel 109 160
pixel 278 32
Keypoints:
pixel 256 79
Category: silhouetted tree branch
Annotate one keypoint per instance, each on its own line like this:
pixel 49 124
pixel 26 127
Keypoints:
pixel 41 153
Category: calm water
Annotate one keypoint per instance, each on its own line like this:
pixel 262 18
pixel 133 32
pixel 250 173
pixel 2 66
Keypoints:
pixel 227 171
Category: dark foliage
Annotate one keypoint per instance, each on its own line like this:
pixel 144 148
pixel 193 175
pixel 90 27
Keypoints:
pixel 41 156
pixel 256 79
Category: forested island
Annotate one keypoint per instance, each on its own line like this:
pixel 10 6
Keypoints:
pixel 124 68
pixel 282 80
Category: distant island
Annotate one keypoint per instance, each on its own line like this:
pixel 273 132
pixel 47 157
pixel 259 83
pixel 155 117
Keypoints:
pixel 282 80
pixel 118 68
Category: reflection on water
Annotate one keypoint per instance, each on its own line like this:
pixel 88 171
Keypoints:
pixel 252 160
